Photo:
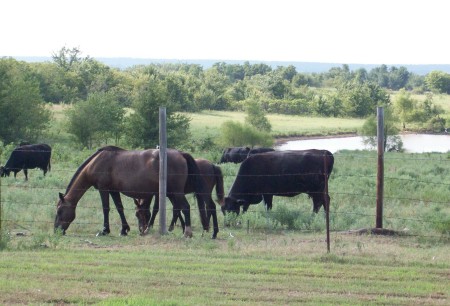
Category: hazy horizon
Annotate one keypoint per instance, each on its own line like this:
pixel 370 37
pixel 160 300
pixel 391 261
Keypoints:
pixel 348 31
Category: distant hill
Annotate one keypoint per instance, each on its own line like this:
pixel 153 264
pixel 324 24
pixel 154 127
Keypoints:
pixel 302 67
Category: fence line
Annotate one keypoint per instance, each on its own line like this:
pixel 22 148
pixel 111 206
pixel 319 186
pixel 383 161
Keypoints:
pixel 333 194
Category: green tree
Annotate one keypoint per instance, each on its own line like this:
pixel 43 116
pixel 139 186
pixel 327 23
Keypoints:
pixel 256 117
pixel 392 142
pixel 23 112
pixel 96 120
pixel 142 126
pixel 404 106
pixel 438 81
pixel 236 134
pixel 361 99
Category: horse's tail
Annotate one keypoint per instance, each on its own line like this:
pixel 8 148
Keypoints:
pixel 195 179
pixel 219 184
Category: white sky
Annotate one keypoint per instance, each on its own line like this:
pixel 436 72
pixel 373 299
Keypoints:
pixel 337 31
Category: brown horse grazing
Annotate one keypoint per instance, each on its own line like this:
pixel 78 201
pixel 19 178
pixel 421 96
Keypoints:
pixel 212 176
pixel 113 170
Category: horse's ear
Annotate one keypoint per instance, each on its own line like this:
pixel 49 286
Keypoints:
pixel 61 197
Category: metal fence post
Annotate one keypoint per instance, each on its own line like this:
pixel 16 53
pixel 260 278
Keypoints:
pixel 162 170
pixel 380 172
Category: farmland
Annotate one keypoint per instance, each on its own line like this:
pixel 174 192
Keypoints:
pixel 262 258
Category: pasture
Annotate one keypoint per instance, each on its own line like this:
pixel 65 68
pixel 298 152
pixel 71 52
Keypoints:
pixel 277 257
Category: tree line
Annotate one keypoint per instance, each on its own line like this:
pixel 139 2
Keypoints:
pixel 110 104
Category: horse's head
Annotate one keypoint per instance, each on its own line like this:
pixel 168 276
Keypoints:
pixel 65 214
pixel 143 215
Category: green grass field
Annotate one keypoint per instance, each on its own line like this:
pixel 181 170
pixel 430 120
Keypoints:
pixel 274 258
pixel 208 123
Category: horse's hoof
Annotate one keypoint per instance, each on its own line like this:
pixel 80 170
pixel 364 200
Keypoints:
pixel 102 233
pixel 123 234
pixel 188 232
pixel 170 228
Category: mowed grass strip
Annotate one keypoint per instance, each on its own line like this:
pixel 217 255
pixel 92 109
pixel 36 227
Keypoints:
pixel 261 269
pixel 209 123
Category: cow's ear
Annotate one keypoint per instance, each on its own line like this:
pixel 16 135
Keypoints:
pixel 61 197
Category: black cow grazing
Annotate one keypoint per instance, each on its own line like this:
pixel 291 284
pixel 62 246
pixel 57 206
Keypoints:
pixel 259 151
pixel 281 173
pixel 28 157
pixel 234 155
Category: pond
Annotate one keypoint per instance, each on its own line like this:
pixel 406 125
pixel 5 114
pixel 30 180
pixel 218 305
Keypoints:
pixel 412 143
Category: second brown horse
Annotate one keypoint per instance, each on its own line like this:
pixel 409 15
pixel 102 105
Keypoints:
pixel 211 174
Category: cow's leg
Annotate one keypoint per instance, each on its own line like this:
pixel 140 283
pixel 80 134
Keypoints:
pixel 268 198
pixel 25 171
pixel 119 206
pixel 104 195
pixel 319 199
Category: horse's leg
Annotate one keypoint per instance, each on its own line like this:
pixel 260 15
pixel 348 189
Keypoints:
pixel 183 224
pixel 26 174
pixel 176 214
pixel 212 212
pixel 155 210
pixel 180 202
pixel 104 195
pixel 119 206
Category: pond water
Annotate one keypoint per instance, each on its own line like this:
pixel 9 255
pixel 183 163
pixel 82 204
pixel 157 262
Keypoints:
pixel 412 143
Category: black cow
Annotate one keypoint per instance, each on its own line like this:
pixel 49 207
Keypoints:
pixel 28 157
pixel 234 155
pixel 259 151
pixel 281 173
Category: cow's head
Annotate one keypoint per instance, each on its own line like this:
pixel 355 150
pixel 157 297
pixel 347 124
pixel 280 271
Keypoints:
pixel 4 172
pixel 65 214
pixel 143 215
pixel 232 205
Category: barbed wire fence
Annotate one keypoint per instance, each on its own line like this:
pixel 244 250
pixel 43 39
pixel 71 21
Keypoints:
pixel 31 206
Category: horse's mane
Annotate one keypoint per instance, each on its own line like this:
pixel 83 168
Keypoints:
pixel 87 161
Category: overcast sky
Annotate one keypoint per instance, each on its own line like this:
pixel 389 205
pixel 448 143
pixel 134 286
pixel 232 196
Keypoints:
pixel 337 31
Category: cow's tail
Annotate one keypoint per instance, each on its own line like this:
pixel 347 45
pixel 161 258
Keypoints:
pixel 195 179
pixel 330 162
pixel 219 184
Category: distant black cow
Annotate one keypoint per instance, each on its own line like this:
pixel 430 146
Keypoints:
pixel 234 155
pixel 259 151
pixel 281 173
pixel 28 157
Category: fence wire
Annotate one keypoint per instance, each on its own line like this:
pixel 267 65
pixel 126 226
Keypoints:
pixel 11 216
